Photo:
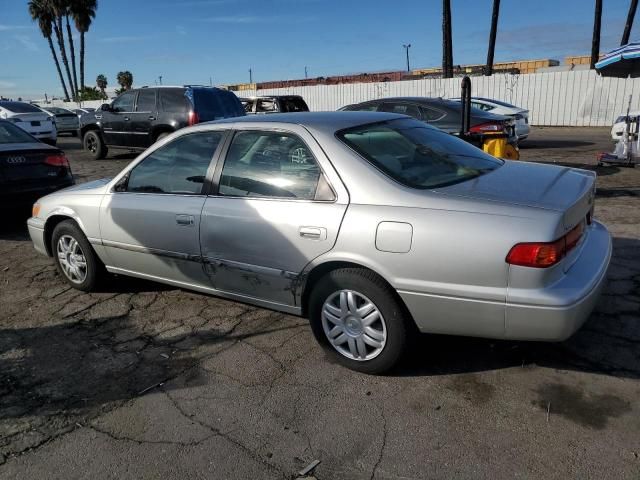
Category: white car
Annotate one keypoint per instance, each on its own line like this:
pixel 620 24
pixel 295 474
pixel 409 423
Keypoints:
pixel 498 107
pixel 30 118
pixel 620 124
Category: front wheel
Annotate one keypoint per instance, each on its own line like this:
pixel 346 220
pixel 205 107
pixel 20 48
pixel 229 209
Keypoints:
pixel 74 257
pixel 359 321
pixel 93 143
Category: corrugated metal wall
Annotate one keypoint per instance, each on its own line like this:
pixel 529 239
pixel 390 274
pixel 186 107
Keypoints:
pixel 579 98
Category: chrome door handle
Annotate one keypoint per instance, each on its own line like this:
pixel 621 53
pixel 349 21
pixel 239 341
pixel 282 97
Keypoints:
pixel 313 233
pixel 185 220
pixel 152 118
pixel 98 117
pixel 126 119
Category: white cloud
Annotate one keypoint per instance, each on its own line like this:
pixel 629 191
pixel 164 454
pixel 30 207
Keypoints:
pixel 10 28
pixel 27 43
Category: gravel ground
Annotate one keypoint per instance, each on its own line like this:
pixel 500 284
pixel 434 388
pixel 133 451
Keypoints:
pixel 146 381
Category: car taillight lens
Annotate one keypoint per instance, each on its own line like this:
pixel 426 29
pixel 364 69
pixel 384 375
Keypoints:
pixel 193 118
pixel 487 127
pixel 57 161
pixel 544 254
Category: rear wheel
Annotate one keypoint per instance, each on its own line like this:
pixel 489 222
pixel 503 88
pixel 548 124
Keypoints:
pixel 356 317
pixel 76 261
pixel 93 143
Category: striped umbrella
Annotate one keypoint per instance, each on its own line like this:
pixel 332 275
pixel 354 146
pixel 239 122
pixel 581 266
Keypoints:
pixel 622 62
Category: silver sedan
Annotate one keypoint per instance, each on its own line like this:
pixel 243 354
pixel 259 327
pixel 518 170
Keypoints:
pixel 374 226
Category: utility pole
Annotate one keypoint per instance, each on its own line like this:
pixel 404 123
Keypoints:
pixel 210 82
pixel 595 42
pixel 406 49
pixel 160 79
pixel 250 76
pixel 305 72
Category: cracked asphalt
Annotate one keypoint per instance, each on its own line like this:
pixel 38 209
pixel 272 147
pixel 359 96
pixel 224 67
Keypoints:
pixel 146 381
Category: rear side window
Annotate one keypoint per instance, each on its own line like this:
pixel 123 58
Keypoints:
pixel 293 104
pixel 431 115
pixel 272 164
pixel 416 155
pixel 402 108
pixel 180 167
pixel 362 107
pixel 20 107
pixel 173 100
pixel 146 101
pixel 214 104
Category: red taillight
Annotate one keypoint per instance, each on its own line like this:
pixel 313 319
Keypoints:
pixel 544 254
pixel 487 127
pixel 193 118
pixel 57 160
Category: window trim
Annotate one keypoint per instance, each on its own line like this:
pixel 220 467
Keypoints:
pixel 206 185
pixel 214 191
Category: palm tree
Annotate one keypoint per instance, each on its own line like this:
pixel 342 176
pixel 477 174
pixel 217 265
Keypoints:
pixel 40 11
pixel 125 79
pixel 447 46
pixel 595 42
pixel 492 37
pixel 101 82
pixel 630 16
pixel 71 45
pixel 83 12
pixel 59 8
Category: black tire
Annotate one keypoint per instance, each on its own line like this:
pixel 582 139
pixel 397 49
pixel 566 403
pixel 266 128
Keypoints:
pixel 95 270
pixel 369 284
pixel 93 143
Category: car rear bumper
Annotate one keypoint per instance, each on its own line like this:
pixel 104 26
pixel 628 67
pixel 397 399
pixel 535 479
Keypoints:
pixel 559 310
pixel 552 314
pixel 36 232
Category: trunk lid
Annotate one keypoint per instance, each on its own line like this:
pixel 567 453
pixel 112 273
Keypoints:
pixel 567 190
pixel 26 163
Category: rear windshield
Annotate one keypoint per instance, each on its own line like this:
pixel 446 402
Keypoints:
pixel 213 104
pixel 416 155
pixel 9 133
pixel 57 110
pixel 20 107
pixel 293 104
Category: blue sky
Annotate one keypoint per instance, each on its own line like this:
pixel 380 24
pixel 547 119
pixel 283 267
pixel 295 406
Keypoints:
pixel 190 41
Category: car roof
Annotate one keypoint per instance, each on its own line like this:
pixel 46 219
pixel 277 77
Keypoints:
pixel 325 121
pixel 270 96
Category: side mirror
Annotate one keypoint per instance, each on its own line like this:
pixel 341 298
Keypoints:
pixel 105 107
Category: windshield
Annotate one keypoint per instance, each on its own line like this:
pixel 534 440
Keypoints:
pixel 9 133
pixel 20 107
pixel 416 155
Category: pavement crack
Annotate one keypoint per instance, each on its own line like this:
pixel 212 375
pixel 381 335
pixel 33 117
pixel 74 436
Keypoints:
pixel 383 446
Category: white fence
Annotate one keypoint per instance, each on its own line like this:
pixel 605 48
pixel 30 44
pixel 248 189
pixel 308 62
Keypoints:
pixel 578 98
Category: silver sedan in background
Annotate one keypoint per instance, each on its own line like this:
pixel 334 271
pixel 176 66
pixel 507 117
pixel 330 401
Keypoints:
pixel 373 225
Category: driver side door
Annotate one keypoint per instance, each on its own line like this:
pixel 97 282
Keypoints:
pixel 150 222
pixel 116 122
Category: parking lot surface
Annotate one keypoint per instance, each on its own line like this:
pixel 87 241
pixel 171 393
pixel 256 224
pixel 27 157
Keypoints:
pixel 147 381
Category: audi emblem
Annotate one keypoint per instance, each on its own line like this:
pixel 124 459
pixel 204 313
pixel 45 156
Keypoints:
pixel 16 160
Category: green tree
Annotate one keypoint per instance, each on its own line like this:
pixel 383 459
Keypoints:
pixel 125 80
pixel 101 82
pixel 90 93
pixel 42 13
pixel 83 12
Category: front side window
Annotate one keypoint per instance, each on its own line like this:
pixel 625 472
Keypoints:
pixel 180 167
pixel 124 103
pixel 417 155
pixel 272 164
pixel 146 101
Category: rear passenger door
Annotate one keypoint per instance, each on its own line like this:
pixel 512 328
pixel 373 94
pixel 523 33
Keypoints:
pixel 278 204
pixel 173 108
pixel 143 119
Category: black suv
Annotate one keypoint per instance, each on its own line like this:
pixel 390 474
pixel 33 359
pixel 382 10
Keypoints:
pixel 275 104
pixel 140 117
